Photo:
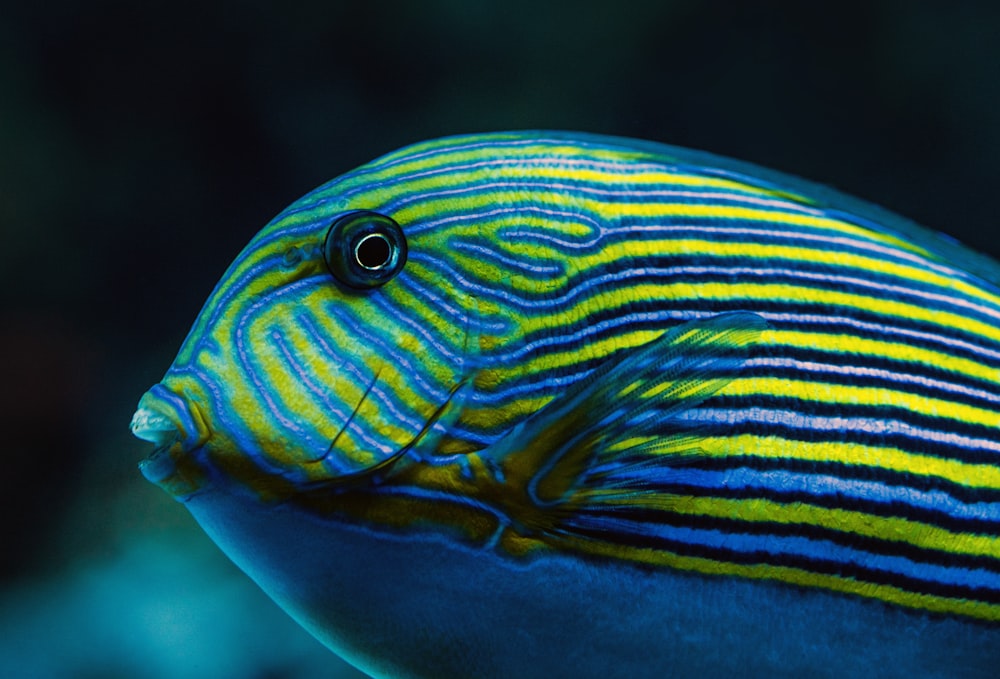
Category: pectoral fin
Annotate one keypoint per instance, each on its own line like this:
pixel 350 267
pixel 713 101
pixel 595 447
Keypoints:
pixel 598 444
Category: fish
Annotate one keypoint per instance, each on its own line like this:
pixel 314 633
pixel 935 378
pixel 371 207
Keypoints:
pixel 540 404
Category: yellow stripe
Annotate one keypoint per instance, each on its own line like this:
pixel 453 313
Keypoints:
pixel 863 264
pixel 846 344
pixel 777 292
pixel 610 210
pixel 966 474
pixel 911 532
pixel 823 392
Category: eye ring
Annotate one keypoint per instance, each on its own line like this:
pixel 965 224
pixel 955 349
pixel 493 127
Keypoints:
pixel 364 249
pixel 373 251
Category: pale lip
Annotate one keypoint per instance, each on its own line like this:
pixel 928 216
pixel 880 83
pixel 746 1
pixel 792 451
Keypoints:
pixel 155 427
pixel 175 425
pixel 158 429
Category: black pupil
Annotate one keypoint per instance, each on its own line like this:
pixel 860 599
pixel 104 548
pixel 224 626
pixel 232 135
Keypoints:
pixel 373 252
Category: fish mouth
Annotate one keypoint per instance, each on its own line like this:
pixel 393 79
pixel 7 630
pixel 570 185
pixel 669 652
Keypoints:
pixel 158 429
pixel 176 427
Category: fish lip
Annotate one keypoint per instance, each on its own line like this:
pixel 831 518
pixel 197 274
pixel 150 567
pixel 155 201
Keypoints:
pixel 160 466
pixel 150 425
pixel 164 418
pixel 176 427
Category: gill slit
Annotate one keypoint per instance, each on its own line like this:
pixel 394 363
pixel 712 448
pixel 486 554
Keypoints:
pixel 350 418
pixel 471 345
pixel 369 472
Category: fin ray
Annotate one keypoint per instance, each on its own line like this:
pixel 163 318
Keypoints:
pixel 594 447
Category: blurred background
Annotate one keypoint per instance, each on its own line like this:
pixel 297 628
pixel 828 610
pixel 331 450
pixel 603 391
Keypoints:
pixel 142 145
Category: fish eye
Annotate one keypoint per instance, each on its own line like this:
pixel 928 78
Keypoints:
pixel 373 251
pixel 364 249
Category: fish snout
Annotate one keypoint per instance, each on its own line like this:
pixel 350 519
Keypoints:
pixel 154 427
pixel 176 426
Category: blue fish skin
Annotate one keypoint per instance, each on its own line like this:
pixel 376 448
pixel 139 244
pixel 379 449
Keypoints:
pixel 544 404
pixel 405 606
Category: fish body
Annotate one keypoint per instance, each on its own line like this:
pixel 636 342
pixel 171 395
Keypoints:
pixel 552 404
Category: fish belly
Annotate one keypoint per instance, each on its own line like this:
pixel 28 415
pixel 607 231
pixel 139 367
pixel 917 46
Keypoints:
pixel 422 605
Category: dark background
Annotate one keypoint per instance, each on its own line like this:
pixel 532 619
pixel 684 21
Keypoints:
pixel 142 145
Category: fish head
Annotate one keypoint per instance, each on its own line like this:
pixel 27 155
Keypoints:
pixel 350 330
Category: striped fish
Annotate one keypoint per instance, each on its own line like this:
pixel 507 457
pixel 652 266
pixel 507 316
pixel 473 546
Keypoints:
pixel 552 404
